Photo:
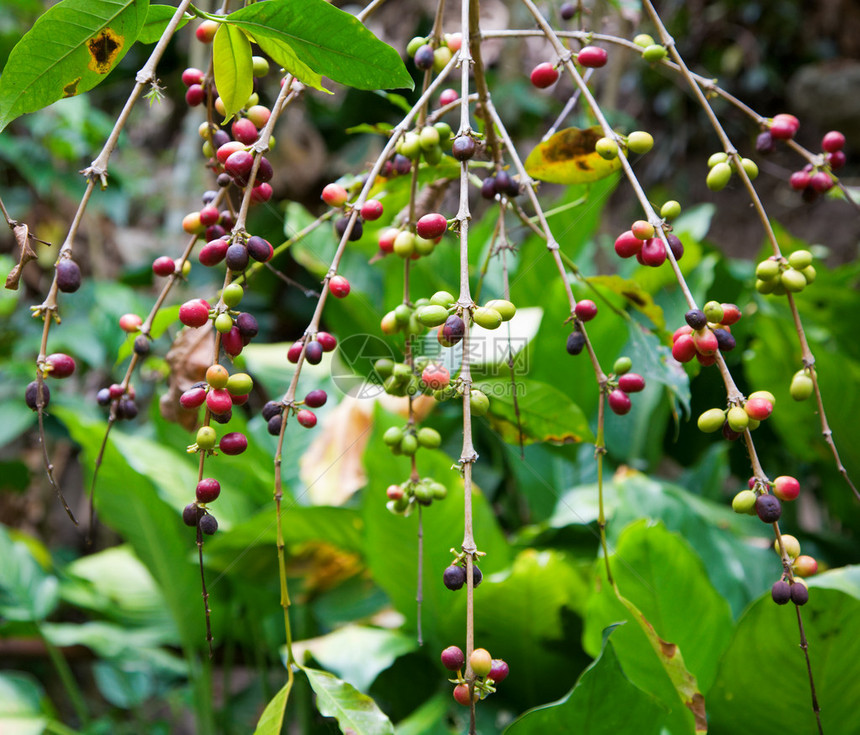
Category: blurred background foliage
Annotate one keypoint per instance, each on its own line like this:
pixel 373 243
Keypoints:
pixel 109 638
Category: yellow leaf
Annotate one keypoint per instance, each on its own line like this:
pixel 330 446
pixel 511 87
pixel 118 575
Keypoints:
pixel 568 157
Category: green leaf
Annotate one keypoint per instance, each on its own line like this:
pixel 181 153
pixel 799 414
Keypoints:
pixel 327 40
pixel 233 68
pixel 69 50
pixel 634 295
pixel 157 19
pixel 763 661
pixel 351 708
pixel 21 710
pixel 666 595
pixel 603 702
pixel 356 653
pixel 272 720
pixel 545 413
pixel 27 592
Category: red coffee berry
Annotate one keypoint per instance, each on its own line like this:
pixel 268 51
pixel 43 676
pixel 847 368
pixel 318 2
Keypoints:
pixel 436 376
pixel 234 442
pixel 836 160
pixel 453 658
pixel 371 210
pixel 328 341
pixel 339 287
pixel 192 398
pixel 706 342
pixel 786 487
pixel 585 310
pixel 386 239
pixel 448 96
pixel 316 398
pixel 244 131
pixel 195 95
pixel 224 151
pixel 804 566
pixel 544 75
pixel 194 313
pixel 627 245
pixel 208 490
pixel 620 402
pixel 261 193
pixel 306 418
pixel 684 349
pixel 192 76
pixel 209 216
pixel 653 252
pixel 294 352
pixel 784 127
pixel 62 365
pixel 832 142
pixel 431 226
pixel 163 266
pixel 334 195
pixel 116 391
pixel 592 56
pixel 758 408
pixel 394 492
pixel 232 341
pixel 821 181
pixel 218 400
pixel 731 314
pixel 799 180
pixel 461 695
pixel 239 165
pixel 206 31
pixel 499 671
pixel 631 383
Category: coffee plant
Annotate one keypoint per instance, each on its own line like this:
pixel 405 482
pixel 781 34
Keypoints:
pixel 429 442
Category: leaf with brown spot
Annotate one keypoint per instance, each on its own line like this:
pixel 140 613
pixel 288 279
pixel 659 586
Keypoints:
pixel 22 237
pixel 634 294
pixel 568 157
pixel 70 49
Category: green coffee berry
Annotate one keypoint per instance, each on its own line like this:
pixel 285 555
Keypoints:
pixel 718 176
pixel 644 40
pixel 429 438
pixel 487 318
pixel 432 316
pixel 653 53
pixel 744 502
pixel 478 402
pixel 505 308
pixel 716 158
pixel 640 142
pixel 670 210
pixel 750 166
pixel 738 418
pixel 206 437
pixel 622 365
pixel 224 322
pixel 606 148
pixel 232 295
pixel 801 387
pixel 792 280
pixel 442 298
pixel 767 269
pixel 800 259
pixel 409 444
pixel 712 420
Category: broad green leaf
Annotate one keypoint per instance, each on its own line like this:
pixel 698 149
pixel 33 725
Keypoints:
pixel 667 598
pixel 764 666
pixel 284 54
pixel 70 49
pixel 428 719
pixel 21 710
pixel 157 19
pixel 327 40
pixel 634 295
pixel 603 702
pixel 27 592
pixel 272 720
pixel 356 653
pixel 352 709
pixel 545 413
pixel 232 66
pixel 568 157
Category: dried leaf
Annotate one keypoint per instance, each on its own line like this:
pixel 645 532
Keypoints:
pixel 188 357
pixel 22 237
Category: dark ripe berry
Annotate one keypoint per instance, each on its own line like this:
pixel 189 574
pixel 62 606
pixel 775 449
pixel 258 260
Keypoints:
pixel 163 266
pixel 696 318
pixel 809 194
pixel 233 443
pixel 781 592
pixel 328 341
pixel 192 398
pixel 208 197
pixel 620 402
pixel 768 508
pixel 194 313
pixel 499 670
pixel 675 245
pixel 313 352
pixel 306 418
pixel 232 341
pixel 424 57
pixel 488 188
pixel 566 11
pixel 575 343
pixel 454 577
pixel 103 397
pixel 832 142
pixel 62 365
pixel 126 409
pixel 264 171
pixel 68 276
pixel 503 184
pixel 402 165
pixel 238 165
pixel 294 352
pixel 247 325
pixel 357 228
pixel 592 56
pixel 214 232
pixel 31 395
pixel 270 409
pixel 729 434
pixel 544 75
pixel 316 398
pixel 259 249
pixel 141 346
pixel 208 489
pixel 273 425
pixel 219 138
pixel 224 179
pixel 764 143
pixel 586 310
pixel 463 148
pixel 237 257
pixel 453 658
pixel 208 524
pixel 477 576
pixel 453 330
pixel 431 226
pixel 116 391
pixel 339 287
pixel 799 594
pixel 223 418
pixel 835 160
pixel 191 514
pixel 631 383
pixel 725 340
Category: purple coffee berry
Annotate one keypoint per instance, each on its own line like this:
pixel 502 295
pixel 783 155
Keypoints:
pixel 725 340
pixel 453 658
pixel 273 426
pixel 696 318
pixel 768 508
pixel 68 276
pixel 233 443
pixel 316 398
pixel 799 594
pixel 313 352
pixel 454 577
pixel 31 395
pixel 781 592
pixel 271 409
pixel 236 257
pixel 247 326
pixel 463 148
pixel 208 489
pixel 259 249
pixel 62 365
pixel 191 514
pixel 208 524
pixel 575 343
